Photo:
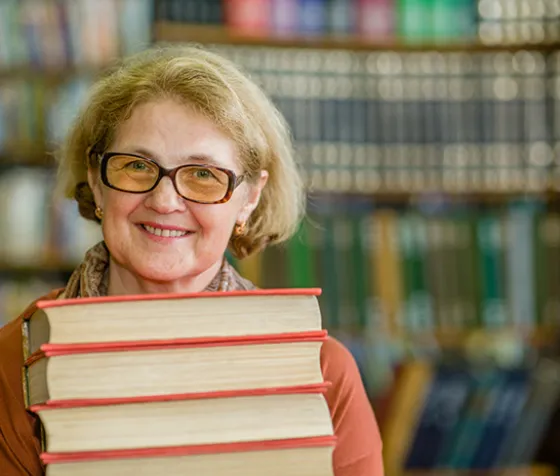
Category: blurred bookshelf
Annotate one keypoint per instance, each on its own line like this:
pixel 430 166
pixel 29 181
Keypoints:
pixel 50 75
pixel 533 471
pixel 172 32
pixel 428 136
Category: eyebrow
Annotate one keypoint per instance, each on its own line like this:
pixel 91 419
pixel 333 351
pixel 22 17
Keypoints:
pixel 201 158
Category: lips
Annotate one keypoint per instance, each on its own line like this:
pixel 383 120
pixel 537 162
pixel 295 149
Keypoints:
pixel 165 231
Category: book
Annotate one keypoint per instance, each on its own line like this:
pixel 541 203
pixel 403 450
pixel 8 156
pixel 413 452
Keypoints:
pixel 441 412
pixel 141 369
pixel 296 457
pixel 184 316
pixel 191 419
pixel 403 414
pixel 522 443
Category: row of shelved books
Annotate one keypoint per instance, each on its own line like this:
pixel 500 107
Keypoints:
pixel 386 121
pixel 59 33
pixel 36 227
pixel 35 116
pixel 414 274
pixel 371 122
pixel 112 396
pixel 491 21
pixel 518 21
pixel 457 415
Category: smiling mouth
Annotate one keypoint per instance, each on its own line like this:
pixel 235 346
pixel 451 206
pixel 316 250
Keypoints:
pixel 165 232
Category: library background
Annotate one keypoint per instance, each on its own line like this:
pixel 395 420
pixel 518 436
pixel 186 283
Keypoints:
pixel 428 134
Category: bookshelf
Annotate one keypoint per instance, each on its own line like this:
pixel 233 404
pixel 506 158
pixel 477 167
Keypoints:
pixel 530 471
pixel 174 32
pixel 51 75
pixel 27 157
pixel 44 268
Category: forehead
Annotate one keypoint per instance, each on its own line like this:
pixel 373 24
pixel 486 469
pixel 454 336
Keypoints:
pixel 173 134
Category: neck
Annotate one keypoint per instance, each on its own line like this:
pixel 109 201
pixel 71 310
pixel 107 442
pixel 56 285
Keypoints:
pixel 122 281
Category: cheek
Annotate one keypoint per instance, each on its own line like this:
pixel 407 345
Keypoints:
pixel 119 204
pixel 215 221
pixel 117 207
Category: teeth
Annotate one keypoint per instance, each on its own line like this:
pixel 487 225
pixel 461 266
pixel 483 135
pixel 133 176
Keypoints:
pixel 164 233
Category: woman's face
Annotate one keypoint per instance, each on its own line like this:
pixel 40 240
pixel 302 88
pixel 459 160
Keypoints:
pixel 172 134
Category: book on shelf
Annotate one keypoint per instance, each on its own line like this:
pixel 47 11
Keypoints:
pixel 233 380
pixel 469 415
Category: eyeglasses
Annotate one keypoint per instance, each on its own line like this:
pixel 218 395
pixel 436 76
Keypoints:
pixel 197 183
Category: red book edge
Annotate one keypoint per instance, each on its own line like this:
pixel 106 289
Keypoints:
pixel 53 350
pixel 160 297
pixel 320 387
pixel 292 443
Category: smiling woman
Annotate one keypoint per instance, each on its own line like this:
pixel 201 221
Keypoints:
pixel 180 156
pixel 171 190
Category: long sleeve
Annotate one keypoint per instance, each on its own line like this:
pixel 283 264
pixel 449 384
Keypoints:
pixel 19 448
pixel 19 442
pixel 359 448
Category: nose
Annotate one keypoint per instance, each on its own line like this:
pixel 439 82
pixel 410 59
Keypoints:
pixel 164 198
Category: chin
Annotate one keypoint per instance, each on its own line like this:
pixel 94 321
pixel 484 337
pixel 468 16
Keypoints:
pixel 163 273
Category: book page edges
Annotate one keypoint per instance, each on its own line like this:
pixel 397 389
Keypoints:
pixel 178 296
pixel 53 350
pixel 321 387
pixel 292 443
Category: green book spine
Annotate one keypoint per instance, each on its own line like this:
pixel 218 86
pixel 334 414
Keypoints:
pixel 345 275
pixel 491 243
pixel 362 272
pixel 541 270
pixel 466 270
pixel 330 297
pixel 300 259
pixel 453 20
pixel 470 260
pixel 423 301
pixel 415 20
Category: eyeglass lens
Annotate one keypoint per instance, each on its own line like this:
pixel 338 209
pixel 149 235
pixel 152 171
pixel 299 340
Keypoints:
pixel 199 183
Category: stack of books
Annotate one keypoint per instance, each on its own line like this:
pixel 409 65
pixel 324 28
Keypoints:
pixel 220 383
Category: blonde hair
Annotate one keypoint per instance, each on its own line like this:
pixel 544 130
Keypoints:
pixel 216 88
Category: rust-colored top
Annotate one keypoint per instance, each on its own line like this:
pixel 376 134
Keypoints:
pixel 358 450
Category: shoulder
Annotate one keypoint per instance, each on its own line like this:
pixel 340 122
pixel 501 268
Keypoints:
pixel 359 449
pixel 19 447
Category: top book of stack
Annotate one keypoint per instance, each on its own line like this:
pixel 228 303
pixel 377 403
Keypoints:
pixel 122 319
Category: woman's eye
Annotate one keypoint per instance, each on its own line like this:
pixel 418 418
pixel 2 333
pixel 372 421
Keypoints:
pixel 137 165
pixel 203 174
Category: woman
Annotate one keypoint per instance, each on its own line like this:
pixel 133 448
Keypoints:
pixel 179 156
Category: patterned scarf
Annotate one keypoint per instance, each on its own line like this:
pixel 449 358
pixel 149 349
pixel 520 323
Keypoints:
pixel 91 277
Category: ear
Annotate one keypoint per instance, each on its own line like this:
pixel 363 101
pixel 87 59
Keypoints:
pixel 253 197
pixel 94 183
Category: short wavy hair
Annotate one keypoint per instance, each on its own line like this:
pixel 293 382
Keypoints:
pixel 216 88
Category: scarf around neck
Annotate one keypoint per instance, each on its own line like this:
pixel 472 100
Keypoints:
pixel 91 277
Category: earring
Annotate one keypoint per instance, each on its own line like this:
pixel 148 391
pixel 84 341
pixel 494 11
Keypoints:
pixel 99 213
pixel 239 229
